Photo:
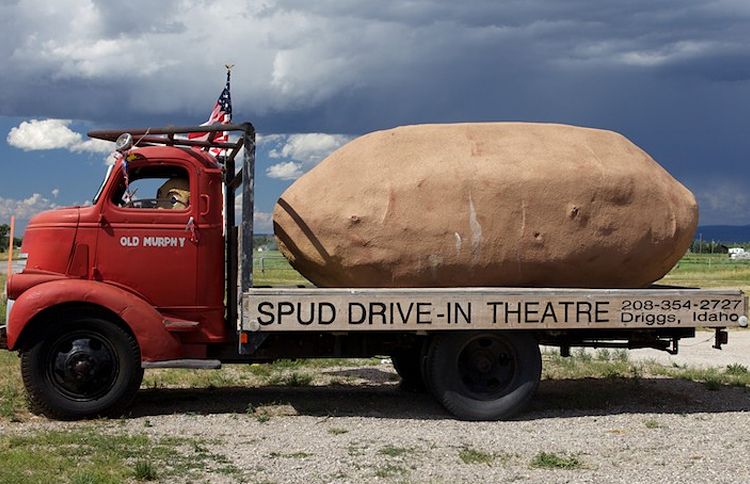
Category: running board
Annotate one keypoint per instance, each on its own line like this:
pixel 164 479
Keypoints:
pixel 191 364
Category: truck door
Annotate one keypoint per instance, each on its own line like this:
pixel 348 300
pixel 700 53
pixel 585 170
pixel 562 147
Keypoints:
pixel 148 241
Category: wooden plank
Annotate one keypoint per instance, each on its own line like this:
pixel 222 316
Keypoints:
pixel 489 308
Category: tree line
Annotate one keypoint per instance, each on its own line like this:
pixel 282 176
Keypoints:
pixel 4 234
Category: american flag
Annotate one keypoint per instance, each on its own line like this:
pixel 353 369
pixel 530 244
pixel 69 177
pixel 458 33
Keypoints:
pixel 222 113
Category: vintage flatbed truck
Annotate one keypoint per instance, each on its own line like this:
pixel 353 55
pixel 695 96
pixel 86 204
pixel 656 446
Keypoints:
pixel 125 284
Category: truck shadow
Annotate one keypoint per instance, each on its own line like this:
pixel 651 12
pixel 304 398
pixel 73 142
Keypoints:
pixel 554 398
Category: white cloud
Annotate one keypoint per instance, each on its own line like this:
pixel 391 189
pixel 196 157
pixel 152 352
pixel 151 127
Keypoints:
pixel 262 221
pixel 50 134
pixel 302 150
pixel 55 192
pixel 111 158
pixel 309 148
pixel 286 170
pixel 26 208
pixel 46 134
pixel 263 139
pixel 93 146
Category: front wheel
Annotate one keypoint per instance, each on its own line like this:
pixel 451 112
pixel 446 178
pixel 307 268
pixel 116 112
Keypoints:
pixel 483 376
pixel 81 368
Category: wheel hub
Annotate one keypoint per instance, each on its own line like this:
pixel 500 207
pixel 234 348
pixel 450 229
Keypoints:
pixel 486 367
pixel 82 366
pixel 482 362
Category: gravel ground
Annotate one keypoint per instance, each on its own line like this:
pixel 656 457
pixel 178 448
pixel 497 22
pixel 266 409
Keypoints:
pixel 650 430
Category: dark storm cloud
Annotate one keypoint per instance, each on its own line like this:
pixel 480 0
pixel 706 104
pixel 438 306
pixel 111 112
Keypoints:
pixel 671 75
pixel 136 17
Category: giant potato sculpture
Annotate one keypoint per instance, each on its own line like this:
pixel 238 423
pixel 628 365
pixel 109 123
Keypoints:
pixel 486 204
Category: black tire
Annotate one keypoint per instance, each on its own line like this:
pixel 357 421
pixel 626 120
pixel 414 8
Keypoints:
pixel 407 363
pixel 483 376
pixel 82 367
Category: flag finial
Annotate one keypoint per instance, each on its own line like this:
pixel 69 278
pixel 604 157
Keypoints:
pixel 229 67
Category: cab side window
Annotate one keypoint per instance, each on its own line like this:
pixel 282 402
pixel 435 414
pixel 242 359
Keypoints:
pixel 154 187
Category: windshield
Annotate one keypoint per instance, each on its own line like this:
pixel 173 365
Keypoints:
pixel 104 182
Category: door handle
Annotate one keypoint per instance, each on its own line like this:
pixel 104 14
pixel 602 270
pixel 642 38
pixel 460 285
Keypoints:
pixel 208 204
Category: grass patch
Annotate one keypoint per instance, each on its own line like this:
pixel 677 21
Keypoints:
pixel 260 414
pixel 297 379
pixel 652 424
pixel 615 365
pixel 290 455
pixel 93 454
pixel 145 471
pixel 550 460
pixel 393 451
pixel 296 373
pixel 474 456
pixel 356 450
pixel 390 470
pixel 12 391
pixel 712 378
pixel 736 369
pixel 586 364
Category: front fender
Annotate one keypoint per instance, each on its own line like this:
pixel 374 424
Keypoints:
pixel 145 322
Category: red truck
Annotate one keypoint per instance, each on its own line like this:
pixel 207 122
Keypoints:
pixel 130 283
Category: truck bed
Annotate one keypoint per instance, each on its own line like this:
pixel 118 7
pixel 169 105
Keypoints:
pixel 428 309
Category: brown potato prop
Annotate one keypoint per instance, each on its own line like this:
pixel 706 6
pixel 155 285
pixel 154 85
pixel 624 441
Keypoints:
pixel 486 204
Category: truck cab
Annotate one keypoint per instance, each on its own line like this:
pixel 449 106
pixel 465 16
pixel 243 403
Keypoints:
pixel 145 260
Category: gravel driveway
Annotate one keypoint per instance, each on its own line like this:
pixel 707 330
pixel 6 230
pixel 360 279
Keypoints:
pixel 606 430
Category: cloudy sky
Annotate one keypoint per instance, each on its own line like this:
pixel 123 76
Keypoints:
pixel 673 76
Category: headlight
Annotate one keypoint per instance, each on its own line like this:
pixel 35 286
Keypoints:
pixel 20 264
pixel 8 305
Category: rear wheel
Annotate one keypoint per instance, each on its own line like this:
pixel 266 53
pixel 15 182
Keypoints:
pixel 483 376
pixel 83 367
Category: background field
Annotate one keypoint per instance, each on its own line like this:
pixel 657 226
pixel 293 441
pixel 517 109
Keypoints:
pixel 709 270
pixel 270 268
pixel 693 270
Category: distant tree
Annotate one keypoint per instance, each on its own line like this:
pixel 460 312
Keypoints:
pixel 4 231
pixel 709 247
